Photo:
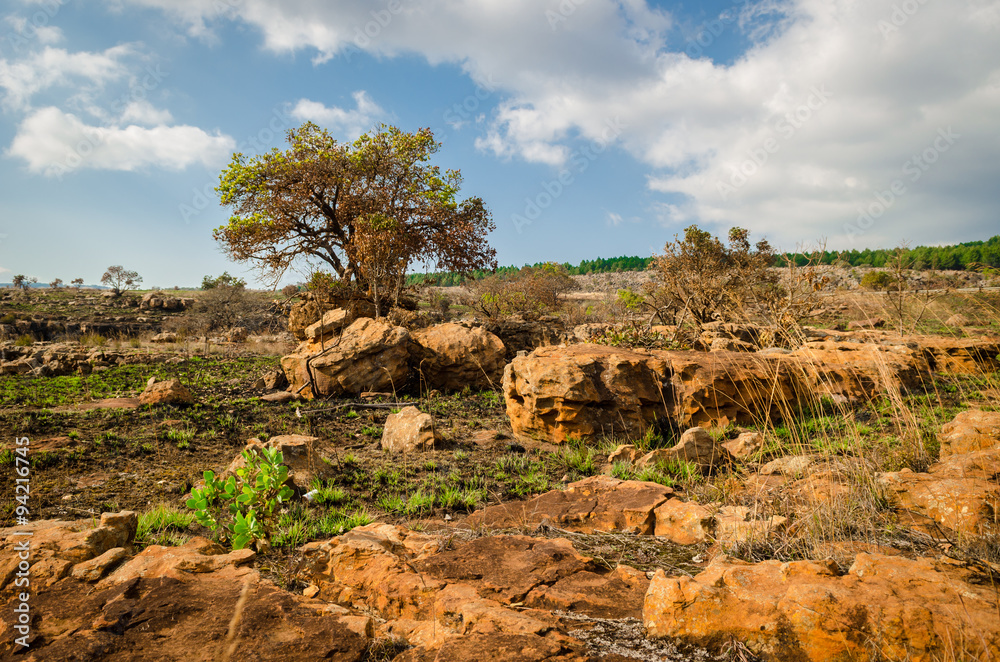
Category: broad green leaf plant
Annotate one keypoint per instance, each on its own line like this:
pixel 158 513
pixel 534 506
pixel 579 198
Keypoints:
pixel 243 509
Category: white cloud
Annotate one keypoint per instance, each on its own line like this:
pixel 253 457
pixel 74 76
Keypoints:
pixel 143 112
pixel 893 80
pixel 36 29
pixel 55 66
pixel 54 143
pixel 350 123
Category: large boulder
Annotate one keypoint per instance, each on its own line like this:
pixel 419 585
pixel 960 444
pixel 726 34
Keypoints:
pixel 885 607
pixel 584 390
pixel 556 393
pixel 310 309
pixel 452 357
pixel 855 370
pixel 369 355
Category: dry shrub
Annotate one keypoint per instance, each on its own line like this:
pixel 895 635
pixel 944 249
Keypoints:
pixel 225 307
pixel 532 290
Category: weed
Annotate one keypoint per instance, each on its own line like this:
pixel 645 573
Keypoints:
pixel 161 525
pixel 24 341
pixel 372 431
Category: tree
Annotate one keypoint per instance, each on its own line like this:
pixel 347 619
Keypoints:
pixel 381 253
pixel 120 279
pixel 20 281
pixel 309 201
pixel 209 283
pixel 702 277
pixel 77 283
pixel 56 284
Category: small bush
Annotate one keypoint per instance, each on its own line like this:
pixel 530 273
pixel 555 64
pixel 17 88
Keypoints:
pixel 24 341
pixel 531 290
pixel 243 509
pixel 877 280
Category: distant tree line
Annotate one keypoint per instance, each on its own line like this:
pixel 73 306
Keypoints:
pixel 598 266
pixel 971 255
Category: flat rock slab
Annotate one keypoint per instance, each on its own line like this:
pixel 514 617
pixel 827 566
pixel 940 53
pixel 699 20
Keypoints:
pixel 599 503
pixel 889 606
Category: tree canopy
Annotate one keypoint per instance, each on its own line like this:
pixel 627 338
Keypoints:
pixel 315 200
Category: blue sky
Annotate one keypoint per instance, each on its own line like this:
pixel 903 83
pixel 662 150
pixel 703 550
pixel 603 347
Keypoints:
pixel 590 127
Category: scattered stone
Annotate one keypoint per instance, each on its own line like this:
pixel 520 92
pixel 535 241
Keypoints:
pixel 170 392
pixel 957 320
pixel 236 334
pixel 870 323
pixel 683 522
pixel 279 397
pixel 734 525
pixel 745 445
pixel 408 431
pixel 624 453
pixel 165 337
pixel 696 445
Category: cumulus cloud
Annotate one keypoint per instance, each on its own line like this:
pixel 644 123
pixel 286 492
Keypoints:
pixel 144 113
pixel 54 143
pixel 832 104
pixel 21 79
pixel 351 123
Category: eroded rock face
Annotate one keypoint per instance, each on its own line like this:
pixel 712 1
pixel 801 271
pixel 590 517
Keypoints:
pixel 452 357
pixel 599 503
pixel 369 355
pixel 584 390
pixel 804 610
pixel 970 431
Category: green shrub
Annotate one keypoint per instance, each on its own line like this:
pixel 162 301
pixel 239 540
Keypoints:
pixel 243 509
pixel 24 341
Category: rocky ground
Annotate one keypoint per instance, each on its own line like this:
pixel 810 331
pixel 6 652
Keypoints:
pixel 506 492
